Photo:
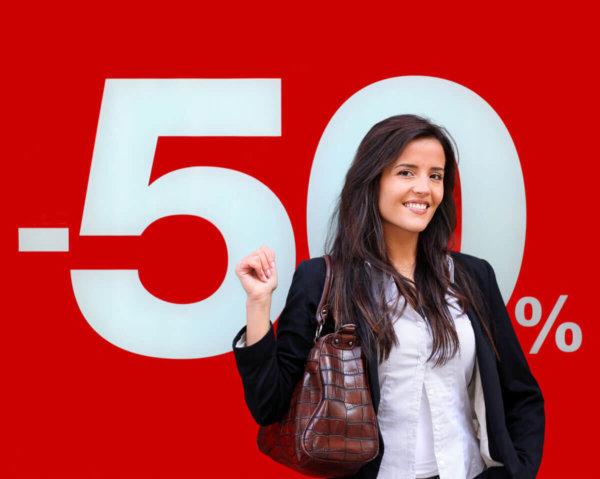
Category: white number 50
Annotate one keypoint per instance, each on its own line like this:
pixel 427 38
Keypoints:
pixel 119 200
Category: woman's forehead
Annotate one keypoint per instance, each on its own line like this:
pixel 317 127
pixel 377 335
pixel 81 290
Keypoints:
pixel 421 153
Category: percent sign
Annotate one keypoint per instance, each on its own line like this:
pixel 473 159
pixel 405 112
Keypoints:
pixel 536 316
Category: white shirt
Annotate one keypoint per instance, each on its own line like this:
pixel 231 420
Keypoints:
pixel 425 412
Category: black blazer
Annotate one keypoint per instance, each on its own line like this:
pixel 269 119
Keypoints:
pixel 514 404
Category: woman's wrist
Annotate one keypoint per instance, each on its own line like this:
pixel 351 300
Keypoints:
pixel 258 311
pixel 259 301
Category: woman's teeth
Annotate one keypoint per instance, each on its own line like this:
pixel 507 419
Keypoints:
pixel 419 206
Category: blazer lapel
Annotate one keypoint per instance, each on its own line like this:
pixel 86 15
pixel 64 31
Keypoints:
pixel 485 368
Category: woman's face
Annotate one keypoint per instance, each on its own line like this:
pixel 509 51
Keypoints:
pixel 412 187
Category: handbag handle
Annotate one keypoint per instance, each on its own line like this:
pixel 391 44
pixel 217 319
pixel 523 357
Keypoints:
pixel 323 308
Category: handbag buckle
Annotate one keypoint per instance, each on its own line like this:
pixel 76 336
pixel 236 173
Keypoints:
pixel 318 333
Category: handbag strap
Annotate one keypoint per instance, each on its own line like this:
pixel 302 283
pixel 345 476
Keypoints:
pixel 323 308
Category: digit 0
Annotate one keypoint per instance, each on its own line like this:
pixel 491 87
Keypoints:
pixel 492 188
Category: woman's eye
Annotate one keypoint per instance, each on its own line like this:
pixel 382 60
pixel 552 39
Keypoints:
pixel 405 173
pixel 437 176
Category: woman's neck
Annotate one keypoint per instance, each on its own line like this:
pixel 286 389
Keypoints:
pixel 402 250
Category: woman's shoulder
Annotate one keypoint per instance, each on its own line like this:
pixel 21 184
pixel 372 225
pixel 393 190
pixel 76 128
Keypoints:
pixel 312 267
pixel 310 275
pixel 478 268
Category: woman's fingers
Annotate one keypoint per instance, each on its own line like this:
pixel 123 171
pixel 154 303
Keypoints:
pixel 248 265
pixel 270 256
pixel 267 262
pixel 261 262
pixel 264 260
pixel 255 264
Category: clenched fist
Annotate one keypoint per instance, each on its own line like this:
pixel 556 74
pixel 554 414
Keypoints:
pixel 258 274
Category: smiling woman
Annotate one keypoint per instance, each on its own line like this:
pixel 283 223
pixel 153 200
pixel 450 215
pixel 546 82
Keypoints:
pixel 451 388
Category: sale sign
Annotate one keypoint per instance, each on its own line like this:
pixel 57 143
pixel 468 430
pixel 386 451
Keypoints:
pixel 147 150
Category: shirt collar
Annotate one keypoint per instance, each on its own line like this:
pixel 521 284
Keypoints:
pixel 450 267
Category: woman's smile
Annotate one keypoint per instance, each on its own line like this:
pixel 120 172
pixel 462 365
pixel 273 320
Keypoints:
pixel 417 207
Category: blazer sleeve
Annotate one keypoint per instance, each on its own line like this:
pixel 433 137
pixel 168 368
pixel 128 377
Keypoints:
pixel 521 394
pixel 270 368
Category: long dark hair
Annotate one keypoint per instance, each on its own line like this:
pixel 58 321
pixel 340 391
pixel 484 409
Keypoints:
pixel 358 249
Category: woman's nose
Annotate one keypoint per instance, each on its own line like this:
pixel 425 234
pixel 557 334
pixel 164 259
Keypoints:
pixel 421 185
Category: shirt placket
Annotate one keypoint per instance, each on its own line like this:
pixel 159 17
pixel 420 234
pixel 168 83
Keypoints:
pixel 420 376
pixel 435 385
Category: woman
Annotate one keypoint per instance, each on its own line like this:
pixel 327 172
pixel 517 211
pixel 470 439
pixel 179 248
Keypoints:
pixel 451 387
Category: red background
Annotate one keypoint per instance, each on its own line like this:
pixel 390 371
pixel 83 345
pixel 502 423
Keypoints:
pixel 77 406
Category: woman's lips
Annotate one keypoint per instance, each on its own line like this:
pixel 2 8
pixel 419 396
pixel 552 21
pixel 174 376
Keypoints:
pixel 417 208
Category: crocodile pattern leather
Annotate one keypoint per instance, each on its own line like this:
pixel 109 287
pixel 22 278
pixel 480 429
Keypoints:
pixel 330 429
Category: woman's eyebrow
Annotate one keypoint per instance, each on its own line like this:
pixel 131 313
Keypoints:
pixel 409 165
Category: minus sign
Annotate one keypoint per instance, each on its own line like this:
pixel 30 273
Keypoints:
pixel 43 239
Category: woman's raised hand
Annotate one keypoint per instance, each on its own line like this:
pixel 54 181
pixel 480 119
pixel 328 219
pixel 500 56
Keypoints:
pixel 258 273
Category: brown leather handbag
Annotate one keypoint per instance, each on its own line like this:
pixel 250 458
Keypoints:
pixel 330 429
